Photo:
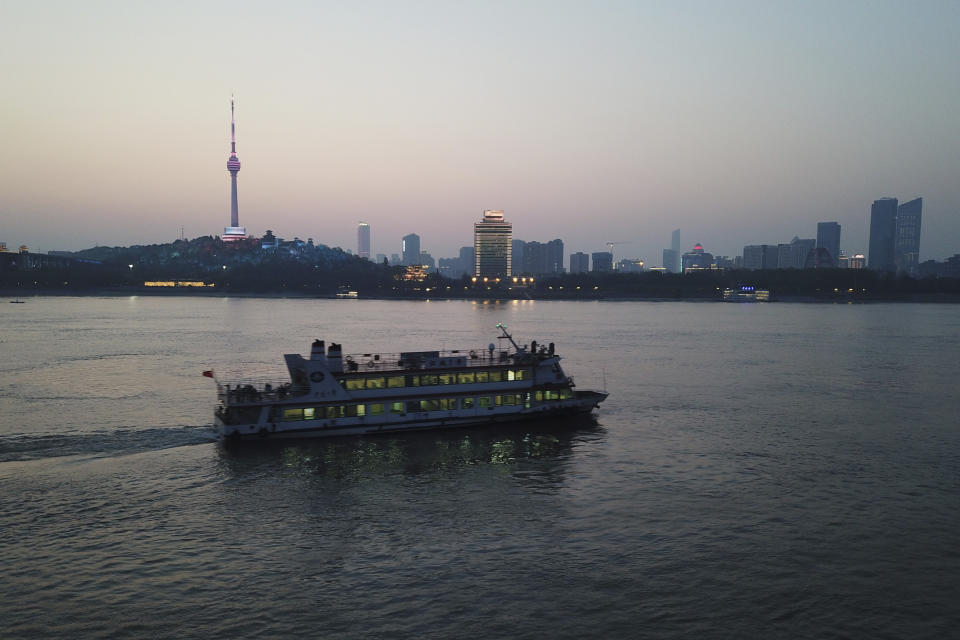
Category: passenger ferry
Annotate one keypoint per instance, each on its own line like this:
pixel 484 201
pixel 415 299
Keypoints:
pixel 332 394
pixel 746 293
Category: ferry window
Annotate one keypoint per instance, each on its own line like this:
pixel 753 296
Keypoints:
pixel 395 381
pixel 354 384
pixel 334 412
pixel 413 405
pixel 497 401
pixel 429 405
pixel 413 381
pixel 356 410
pixel 538 396
pixel 508 399
pixel 448 403
pixel 526 399
pixel 293 414
pixel 396 407
pixel 308 413
pixel 511 374
pixel 483 402
pixel 566 394
pixel 518 398
pixel 466 403
pixel 483 376
pixel 375 409
pixel 447 378
pixel 466 378
pixel 376 383
pixel 426 381
pixel 496 376
pixel 523 374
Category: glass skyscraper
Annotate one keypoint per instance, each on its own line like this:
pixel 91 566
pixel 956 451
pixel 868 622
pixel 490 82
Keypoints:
pixel 906 250
pixel 883 228
pixel 828 237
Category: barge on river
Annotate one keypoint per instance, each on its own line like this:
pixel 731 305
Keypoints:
pixel 332 394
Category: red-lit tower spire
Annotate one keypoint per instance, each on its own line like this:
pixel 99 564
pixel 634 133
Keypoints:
pixel 234 231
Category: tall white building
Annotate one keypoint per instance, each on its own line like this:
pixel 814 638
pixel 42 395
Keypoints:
pixel 492 246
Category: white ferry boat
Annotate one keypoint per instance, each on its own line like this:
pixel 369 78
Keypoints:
pixel 746 293
pixel 331 394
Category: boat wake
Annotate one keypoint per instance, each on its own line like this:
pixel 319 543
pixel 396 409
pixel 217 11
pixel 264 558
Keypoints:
pixel 16 447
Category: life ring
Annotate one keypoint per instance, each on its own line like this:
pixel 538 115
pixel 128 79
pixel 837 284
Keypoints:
pixel 371 364
pixel 316 376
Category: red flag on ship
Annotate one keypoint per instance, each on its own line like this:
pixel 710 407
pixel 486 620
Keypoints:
pixel 209 373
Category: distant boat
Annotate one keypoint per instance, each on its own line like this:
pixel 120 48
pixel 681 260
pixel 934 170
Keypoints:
pixel 17 301
pixel 746 293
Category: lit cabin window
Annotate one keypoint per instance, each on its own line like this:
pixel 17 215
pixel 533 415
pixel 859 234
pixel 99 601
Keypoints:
pixel 483 402
pixel 308 413
pixel 396 407
pixel 448 404
pixel 429 405
pixel 293 414
pixel 466 378
pixel 566 394
pixel 376 383
pixel 354 384
pixel 538 396
pixel 496 376
pixel 497 401
pixel 334 412
pixel 447 378
pixel 508 399
pixel 395 381
pixel 427 381
pixel 375 409
pixel 483 376
pixel 466 403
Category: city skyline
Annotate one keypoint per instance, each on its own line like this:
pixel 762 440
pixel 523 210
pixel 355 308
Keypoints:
pixel 741 125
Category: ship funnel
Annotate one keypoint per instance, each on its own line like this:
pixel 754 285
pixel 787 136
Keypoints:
pixel 316 350
pixel 335 358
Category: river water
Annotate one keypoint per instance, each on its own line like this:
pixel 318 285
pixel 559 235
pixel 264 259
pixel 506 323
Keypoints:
pixel 759 470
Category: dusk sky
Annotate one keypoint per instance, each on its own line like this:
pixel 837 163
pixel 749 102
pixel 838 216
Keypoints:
pixel 738 123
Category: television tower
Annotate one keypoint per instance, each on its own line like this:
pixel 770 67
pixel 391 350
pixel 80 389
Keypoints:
pixel 234 231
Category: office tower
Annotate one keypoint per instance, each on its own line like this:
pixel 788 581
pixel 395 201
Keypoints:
pixel 677 252
pixel 784 255
pixel 883 229
pixel 761 256
pixel 670 258
pixel 579 262
pixel 517 248
pixel 411 249
pixel 696 259
pixel 828 237
pixel 602 261
pixel 907 244
pixel 800 249
pixel 363 240
pixel 467 259
pixel 493 246
pixel 234 232
pixel 381 258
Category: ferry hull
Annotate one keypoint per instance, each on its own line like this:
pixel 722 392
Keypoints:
pixel 584 404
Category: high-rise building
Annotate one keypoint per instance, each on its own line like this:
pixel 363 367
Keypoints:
pixel 602 261
pixel 675 267
pixel 828 237
pixel 411 249
pixel 234 232
pixel 363 240
pixel 883 231
pixel 800 249
pixel 493 246
pixel 381 258
pixel 541 258
pixel 579 262
pixel 517 247
pixel 906 250
pixel 761 256
pixel 696 259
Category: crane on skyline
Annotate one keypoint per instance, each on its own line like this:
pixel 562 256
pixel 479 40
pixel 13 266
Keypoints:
pixel 610 247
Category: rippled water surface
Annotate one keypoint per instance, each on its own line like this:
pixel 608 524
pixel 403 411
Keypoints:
pixel 776 470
